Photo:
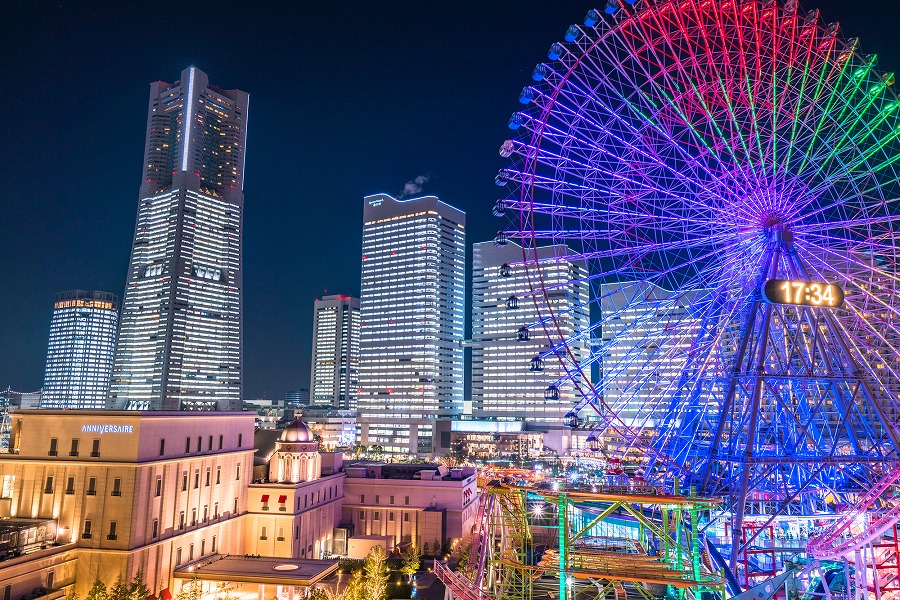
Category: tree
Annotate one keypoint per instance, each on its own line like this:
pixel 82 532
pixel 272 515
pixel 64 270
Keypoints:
pixel 223 591
pixel 119 590
pixel 71 595
pixel 411 561
pixel 463 548
pixel 377 451
pixel 436 548
pixel 375 574
pixel 354 590
pixel 426 550
pixel 97 591
pixel 358 449
pixel 190 591
pixel 138 590
pixel 325 594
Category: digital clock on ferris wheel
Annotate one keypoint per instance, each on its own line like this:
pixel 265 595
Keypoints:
pixel 802 293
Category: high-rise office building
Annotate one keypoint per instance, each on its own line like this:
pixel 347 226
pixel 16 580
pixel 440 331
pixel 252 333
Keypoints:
pixel 81 349
pixel 335 352
pixel 180 335
pixel 412 319
pixel 503 382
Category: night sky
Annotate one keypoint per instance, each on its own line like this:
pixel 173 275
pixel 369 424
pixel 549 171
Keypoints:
pixel 346 99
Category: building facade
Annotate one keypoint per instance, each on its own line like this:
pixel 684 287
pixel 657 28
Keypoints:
pixel 504 384
pixel 180 335
pixel 335 352
pixel 128 491
pixel 81 350
pixel 409 503
pixel 296 398
pixel 294 512
pixel 412 306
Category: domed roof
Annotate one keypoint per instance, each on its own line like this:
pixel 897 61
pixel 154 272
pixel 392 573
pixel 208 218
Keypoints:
pixel 296 432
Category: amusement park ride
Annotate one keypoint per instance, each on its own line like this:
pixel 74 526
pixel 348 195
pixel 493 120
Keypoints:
pixel 739 158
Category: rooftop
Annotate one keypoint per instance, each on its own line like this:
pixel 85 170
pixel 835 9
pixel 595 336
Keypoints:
pixel 258 569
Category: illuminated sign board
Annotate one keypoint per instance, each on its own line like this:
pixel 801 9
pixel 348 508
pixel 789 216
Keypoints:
pixel 106 428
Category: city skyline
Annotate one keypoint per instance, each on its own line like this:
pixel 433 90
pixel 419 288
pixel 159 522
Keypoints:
pixel 429 87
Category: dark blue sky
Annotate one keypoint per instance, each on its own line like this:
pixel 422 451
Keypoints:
pixel 347 99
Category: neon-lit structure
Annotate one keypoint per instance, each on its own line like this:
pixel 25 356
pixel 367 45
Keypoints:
pixel 590 540
pixel 703 148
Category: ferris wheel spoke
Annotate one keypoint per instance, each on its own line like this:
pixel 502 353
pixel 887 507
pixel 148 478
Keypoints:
pixel 843 62
pixel 557 160
pixel 847 95
pixel 842 225
pixel 686 152
pixel 569 165
pixel 611 211
pixel 810 29
pixel 712 70
pixel 628 127
pixel 687 82
pixel 669 99
pixel 848 147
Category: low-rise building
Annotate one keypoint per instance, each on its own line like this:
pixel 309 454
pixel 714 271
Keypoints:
pixel 91 494
pixel 410 503
pixel 127 491
pixel 293 511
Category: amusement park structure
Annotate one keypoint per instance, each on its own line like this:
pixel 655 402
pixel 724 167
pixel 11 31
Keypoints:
pixel 725 172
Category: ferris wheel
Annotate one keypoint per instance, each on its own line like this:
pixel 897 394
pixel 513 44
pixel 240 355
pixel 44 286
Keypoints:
pixel 725 173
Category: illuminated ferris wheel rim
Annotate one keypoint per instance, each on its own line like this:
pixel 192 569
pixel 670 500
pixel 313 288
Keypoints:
pixel 527 204
pixel 561 199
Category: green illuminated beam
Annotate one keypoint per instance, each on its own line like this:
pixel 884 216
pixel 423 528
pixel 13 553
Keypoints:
pixel 831 99
pixel 612 508
pixel 807 69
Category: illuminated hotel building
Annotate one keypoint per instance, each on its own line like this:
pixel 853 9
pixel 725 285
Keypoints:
pixel 179 342
pixel 80 351
pixel 503 383
pixel 412 318
pixel 653 331
pixel 117 492
pixel 335 352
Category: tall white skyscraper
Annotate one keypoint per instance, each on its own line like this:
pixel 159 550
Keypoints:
pixel 503 384
pixel 81 349
pixel 180 335
pixel 412 319
pixel 334 378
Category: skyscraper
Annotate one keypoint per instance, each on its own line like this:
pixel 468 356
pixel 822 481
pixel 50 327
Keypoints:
pixel 412 319
pixel 503 384
pixel 180 336
pixel 335 352
pixel 80 351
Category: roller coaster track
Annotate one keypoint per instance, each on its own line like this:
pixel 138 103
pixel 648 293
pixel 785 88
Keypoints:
pixel 458 585
pixel 832 544
pixel 481 535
